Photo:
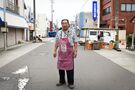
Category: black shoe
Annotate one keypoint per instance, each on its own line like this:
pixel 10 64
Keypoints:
pixel 60 84
pixel 71 86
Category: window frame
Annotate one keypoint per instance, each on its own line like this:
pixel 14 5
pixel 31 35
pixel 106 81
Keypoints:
pixel 125 9
pixel 132 7
pixel 107 10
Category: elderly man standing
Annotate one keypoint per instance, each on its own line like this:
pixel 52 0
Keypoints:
pixel 66 43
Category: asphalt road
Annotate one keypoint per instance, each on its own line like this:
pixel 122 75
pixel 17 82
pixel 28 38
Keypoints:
pixel 38 71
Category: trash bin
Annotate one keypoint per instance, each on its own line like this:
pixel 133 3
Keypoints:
pixel 96 45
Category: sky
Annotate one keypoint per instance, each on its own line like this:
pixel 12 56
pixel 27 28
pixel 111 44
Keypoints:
pixel 62 8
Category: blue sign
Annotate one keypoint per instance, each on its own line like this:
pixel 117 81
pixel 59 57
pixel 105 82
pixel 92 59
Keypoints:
pixel 94 10
pixel 2 23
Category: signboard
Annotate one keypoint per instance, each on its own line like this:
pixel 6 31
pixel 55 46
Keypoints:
pixel 4 30
pixel 94 10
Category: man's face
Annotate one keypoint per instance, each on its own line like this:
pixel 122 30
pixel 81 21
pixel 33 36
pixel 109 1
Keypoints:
pixel 65 25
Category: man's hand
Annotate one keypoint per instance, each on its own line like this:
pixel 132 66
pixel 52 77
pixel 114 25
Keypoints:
pixel 55 50
pixel 54 54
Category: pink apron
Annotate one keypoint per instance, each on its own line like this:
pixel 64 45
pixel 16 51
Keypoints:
pixel 65 55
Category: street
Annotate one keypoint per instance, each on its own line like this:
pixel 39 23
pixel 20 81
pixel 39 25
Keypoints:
pixel 103 29
pixel 37 70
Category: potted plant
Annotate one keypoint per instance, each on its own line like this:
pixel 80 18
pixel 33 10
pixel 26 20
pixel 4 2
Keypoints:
pixel 111 44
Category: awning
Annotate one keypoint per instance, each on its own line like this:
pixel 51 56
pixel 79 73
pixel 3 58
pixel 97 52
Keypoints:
pixel 14 20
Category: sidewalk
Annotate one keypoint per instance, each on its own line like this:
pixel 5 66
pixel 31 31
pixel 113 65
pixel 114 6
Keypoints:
pixel 125 58
pixel 129 51
pixel 16 51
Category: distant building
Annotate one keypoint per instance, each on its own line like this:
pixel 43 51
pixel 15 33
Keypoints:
pixel 42 24
pixel 16 23
pixel 84 20
pixel 30 20
pixel 72 24
pixel 126 11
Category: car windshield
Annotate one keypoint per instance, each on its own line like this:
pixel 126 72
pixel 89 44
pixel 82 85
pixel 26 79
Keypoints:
pixel 93 33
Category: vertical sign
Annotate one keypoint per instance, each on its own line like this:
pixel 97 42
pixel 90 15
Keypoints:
pixel 94 10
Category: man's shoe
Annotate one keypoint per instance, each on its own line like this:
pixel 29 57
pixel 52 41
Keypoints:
pixel 71 86
pixel 60 84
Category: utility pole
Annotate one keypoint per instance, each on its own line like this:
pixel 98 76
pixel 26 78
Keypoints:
pixel 34 13
pixel 133 35
pixel 52 14
pixel 116 26
pixel 98 26
pixel 5 32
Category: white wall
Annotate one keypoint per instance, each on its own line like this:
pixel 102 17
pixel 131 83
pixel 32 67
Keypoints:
pixel 21 7
pixel 42 25
pixel 90 23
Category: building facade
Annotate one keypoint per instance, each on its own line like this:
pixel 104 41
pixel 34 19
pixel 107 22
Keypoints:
pixel 42 24
pixel 12 12
pixel 30 20
pixel 84 20
pixel 126 11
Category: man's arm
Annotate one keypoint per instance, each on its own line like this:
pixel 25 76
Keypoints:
pixel 55 50
pixel 75 40
pixel 56 45
pixel 75 46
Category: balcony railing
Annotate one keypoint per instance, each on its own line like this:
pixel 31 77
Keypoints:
pixel 10 6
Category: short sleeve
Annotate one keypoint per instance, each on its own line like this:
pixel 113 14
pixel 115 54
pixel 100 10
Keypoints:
pixel 75 38
pixel 57 37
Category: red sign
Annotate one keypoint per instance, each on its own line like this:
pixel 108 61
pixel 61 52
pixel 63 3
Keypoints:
pixel 50 26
